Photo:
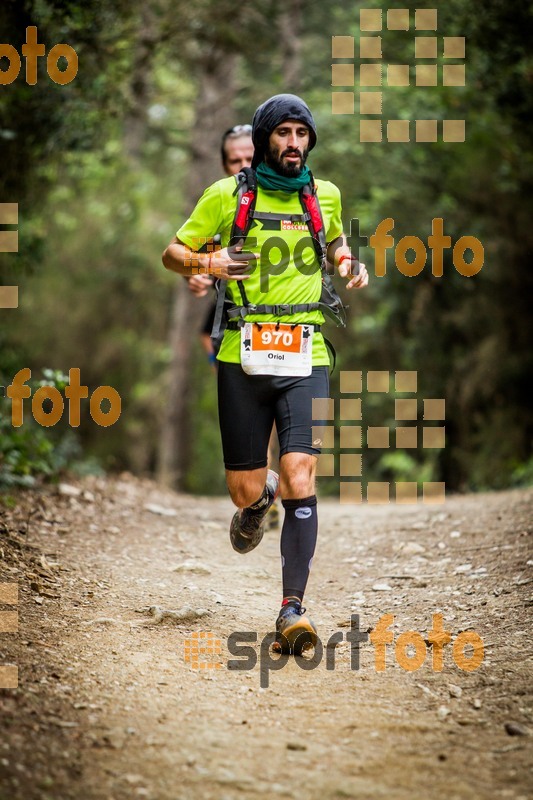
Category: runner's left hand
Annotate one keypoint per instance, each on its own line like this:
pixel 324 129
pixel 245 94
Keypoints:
pixel 357 269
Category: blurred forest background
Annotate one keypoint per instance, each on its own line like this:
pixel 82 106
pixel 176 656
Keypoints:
pixel 105 168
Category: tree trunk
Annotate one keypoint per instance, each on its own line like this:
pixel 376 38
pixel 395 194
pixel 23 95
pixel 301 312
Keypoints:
pixel 290 27
pixel 136 120
pixel 214 114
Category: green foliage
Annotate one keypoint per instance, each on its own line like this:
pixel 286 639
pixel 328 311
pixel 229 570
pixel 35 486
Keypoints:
pixel 31 452
pixel 96 217
pixel 522 474
pixel 206 470
pixel 24 453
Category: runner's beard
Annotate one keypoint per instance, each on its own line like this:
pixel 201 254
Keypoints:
pixel 288 170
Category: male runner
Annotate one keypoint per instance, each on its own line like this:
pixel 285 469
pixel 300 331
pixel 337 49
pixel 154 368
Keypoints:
pixel 251 397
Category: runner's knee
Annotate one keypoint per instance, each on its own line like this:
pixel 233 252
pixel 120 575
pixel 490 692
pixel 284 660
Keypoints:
pixel 297 475
pixel 245 487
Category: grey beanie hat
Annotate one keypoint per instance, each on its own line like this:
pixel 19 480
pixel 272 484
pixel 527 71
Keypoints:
pixel 274 111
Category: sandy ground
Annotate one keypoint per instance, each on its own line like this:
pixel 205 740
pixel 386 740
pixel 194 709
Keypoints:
pixel 108 707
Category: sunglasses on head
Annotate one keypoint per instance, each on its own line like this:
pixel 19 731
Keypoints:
pixel 238 129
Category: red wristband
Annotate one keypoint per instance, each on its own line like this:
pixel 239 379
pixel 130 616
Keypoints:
pixel 344 258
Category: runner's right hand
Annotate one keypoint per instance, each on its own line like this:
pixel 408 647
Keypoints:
pixel 232 263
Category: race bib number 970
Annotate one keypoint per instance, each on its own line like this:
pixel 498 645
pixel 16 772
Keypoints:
pixel 268 348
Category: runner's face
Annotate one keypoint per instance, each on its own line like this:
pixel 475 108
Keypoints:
pixel 288 147
pixel 239 154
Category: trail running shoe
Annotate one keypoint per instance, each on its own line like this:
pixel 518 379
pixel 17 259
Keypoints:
pixel 295 631
pixel 247 526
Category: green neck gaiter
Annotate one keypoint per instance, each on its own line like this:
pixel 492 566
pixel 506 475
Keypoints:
pixel 268 178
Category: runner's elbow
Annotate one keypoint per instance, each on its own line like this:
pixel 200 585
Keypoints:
pixel 168 260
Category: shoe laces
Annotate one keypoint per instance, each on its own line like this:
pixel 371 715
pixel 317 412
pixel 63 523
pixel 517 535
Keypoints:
pixel 296 609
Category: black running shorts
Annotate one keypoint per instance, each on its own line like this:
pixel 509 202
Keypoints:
pixel 248 405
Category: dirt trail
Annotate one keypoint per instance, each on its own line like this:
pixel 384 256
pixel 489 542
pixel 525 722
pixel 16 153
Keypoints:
pixel 107 707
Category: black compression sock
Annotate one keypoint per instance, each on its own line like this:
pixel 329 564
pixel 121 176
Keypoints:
pixel 298 541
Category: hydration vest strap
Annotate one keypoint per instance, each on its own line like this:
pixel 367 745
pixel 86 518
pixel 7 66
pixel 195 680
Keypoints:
pixel 219 309
pixel 243 293
pixel 311 206
pixel 283 310
pixel 246 198
pixel 333 352
pixel 279 310
pixel 266 215
pixel 335 307
pixel 246 191
pixel 237 324
pixel 315 223
pixel 316 226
